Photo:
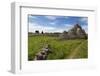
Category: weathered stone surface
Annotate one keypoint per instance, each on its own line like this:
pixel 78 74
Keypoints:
pixel 75 32
pixel 43 54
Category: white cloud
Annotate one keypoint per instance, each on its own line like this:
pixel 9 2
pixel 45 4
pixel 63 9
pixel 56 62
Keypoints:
pixel 52 23
pixel 34 26
pixel 68 27
pixel 84 19
pixel 85 27
pixel 51 17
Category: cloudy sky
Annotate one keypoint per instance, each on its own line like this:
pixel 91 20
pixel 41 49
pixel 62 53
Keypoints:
pixel 55 23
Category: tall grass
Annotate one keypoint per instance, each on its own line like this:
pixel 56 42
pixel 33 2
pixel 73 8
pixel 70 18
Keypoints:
pixel 61 49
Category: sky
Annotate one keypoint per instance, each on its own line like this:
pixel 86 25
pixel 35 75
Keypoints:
pixel 53 24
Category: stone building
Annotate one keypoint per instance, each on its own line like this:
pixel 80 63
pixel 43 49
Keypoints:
pixel 75 32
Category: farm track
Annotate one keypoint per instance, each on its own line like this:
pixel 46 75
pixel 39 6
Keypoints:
pixel 75 51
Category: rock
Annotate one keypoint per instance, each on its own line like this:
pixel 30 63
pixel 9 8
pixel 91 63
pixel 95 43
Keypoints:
pixel 42 55
pixel 75 32
pixel 64 35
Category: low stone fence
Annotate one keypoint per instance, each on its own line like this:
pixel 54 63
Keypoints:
pixel 43 54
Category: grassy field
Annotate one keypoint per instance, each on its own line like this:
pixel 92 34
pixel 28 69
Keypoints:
pixel 62 49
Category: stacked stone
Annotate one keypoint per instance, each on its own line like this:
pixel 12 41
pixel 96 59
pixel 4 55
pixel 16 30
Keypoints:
pixel 74 33
pixel 43 54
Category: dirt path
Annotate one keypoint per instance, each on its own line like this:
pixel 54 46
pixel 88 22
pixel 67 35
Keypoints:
pixel 75 51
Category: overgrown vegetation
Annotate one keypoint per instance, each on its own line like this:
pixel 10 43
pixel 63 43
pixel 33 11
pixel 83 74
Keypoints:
pixel 61 49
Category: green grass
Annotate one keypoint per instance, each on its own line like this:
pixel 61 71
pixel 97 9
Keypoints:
pixel 82 51
pixel 61 48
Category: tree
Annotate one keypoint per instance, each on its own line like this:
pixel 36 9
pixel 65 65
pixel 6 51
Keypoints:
pixel 42 32
pixel 65 32
pixel 37 32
